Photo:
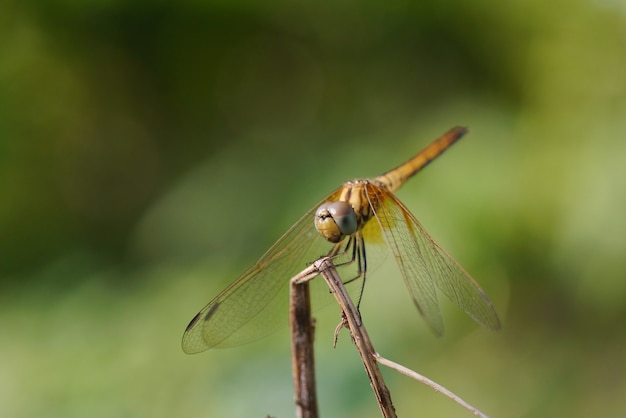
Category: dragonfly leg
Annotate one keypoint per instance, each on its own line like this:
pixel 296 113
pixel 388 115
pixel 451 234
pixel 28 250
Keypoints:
pixel 362 269
pixel 337 252
pixel 355 245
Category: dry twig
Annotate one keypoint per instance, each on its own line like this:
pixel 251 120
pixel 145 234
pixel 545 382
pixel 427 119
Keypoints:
pixel 302 344
pixel 302 335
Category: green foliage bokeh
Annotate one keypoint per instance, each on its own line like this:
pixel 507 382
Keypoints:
pixel 150 152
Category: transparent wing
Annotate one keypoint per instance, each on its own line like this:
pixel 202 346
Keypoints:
pixel 256 303
pixel 426 267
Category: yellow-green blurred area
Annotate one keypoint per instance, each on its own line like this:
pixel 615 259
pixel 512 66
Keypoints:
pixel 151 151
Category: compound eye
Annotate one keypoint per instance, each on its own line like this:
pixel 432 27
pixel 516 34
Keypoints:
pixel 335 220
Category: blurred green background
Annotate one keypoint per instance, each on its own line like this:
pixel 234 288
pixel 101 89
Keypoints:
pixel 151 151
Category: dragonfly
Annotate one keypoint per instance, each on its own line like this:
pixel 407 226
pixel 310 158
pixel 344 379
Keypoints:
pixel 362 213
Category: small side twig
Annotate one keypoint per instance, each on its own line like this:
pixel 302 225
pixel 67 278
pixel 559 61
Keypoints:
pixel 434 385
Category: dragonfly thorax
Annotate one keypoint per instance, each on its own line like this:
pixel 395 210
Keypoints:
pixel 335 220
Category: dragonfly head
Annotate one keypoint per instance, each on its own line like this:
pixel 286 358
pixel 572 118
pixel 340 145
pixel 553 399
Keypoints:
pixel 335 220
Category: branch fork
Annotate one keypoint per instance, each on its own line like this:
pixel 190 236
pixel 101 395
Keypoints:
pixel 302 336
